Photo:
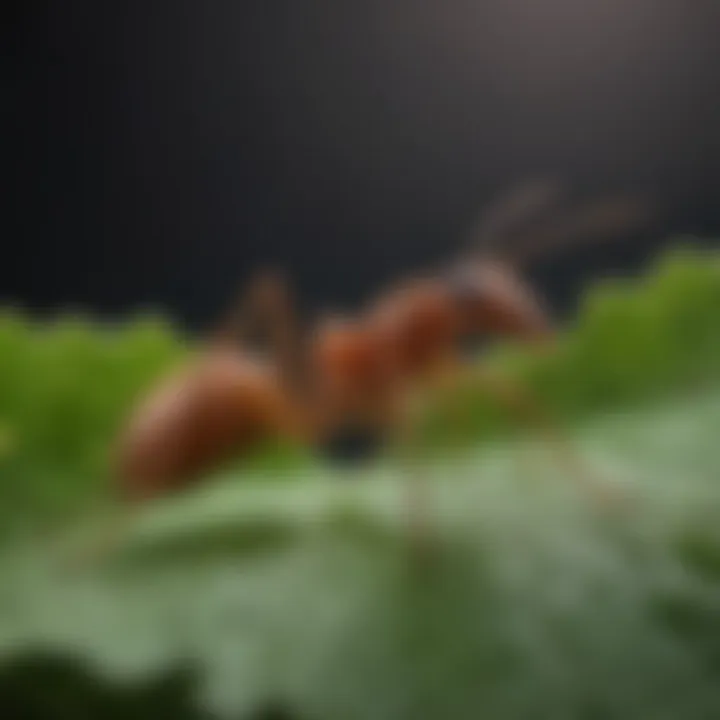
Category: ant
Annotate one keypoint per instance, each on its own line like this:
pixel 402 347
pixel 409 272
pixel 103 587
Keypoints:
pixel 351 376
pixel 412 335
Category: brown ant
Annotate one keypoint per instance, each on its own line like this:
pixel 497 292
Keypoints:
pixel 352 375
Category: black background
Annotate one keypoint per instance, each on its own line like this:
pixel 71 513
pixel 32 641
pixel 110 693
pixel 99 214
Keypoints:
pixel 156 152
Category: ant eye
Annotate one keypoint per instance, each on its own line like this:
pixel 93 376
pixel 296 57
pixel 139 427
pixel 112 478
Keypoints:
pixel 464 286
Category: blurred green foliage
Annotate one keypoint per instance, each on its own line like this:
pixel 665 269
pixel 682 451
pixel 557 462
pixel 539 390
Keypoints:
pixel 65 388
pixel 534 602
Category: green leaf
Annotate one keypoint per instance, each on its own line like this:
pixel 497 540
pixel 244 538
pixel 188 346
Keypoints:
pixel 534 600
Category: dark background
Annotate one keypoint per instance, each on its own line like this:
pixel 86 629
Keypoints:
pixel 155 152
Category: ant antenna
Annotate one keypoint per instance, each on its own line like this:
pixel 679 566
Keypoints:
pixel 517 229
pixel 513 210
pixel 595 221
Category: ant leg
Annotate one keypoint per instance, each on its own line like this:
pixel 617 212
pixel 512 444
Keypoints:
pixel 267 307
pixel 406 439
pixel 456 410
pixel 250 310
pixel 521 402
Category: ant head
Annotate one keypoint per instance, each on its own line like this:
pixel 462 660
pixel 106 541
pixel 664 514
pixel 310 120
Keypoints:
pixel 520 226
pixel 493 299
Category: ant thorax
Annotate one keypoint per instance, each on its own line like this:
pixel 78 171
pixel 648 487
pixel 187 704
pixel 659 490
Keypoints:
pixel 352 366
pixel 418 326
